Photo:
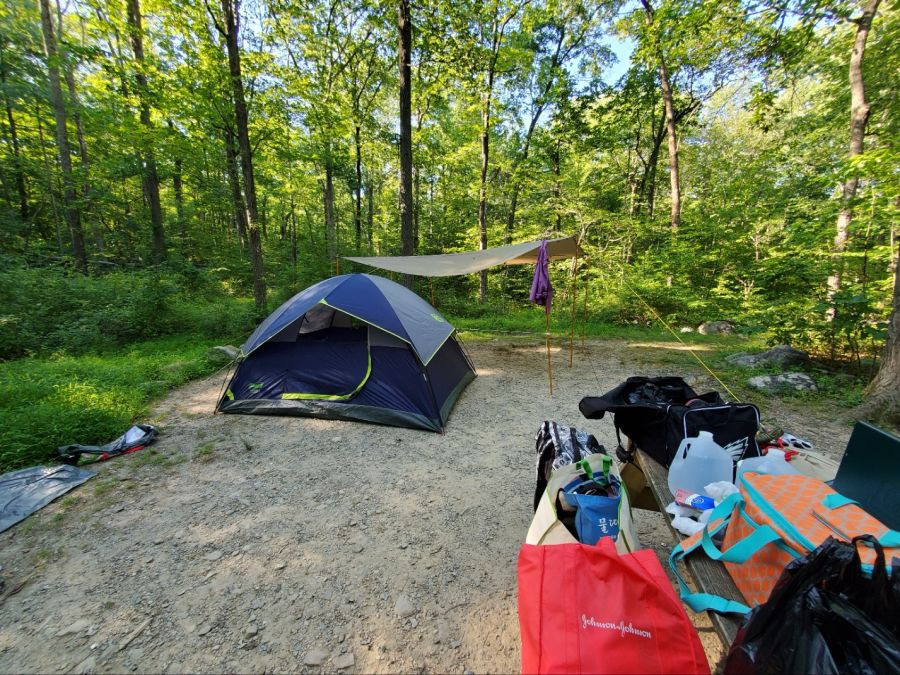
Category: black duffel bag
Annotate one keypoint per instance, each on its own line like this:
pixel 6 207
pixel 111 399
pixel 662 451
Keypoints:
pixel 657 413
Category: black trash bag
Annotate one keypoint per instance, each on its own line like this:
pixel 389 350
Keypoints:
pixel 825 616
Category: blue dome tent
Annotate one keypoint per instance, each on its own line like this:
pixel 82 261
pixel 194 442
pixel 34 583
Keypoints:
pixel 353 347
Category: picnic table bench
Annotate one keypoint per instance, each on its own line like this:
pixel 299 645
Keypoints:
pixel 708 575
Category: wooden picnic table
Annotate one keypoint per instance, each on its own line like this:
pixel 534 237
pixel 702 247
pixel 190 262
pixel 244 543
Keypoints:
pixel 708 575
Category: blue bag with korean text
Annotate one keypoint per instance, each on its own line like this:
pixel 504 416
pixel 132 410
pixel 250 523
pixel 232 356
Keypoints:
pixel 596 499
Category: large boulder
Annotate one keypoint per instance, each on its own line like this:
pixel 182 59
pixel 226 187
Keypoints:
pixel 786 382
pixel 222 354
pixel 716 327
pixel 781 356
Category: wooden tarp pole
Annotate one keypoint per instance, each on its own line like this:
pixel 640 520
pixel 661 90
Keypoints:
pixel 431 286
pixel 574 305
pixel 549 367
pixel 587 288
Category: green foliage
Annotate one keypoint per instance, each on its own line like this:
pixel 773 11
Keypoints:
pixel 52 310
pixel 89 399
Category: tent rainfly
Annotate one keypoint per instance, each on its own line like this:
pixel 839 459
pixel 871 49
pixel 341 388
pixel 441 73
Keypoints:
pixel 353 347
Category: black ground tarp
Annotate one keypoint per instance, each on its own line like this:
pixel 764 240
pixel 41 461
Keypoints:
pixel 25 491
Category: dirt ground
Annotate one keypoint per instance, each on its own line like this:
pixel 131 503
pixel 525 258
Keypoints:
pixel 245 543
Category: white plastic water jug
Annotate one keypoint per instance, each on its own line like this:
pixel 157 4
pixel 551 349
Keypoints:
pixel 699 462
pixel 773 463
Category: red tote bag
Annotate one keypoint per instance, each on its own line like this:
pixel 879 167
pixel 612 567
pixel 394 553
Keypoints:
pixel 587 609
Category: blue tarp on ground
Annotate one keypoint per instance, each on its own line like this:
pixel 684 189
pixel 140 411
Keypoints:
pixel 25 491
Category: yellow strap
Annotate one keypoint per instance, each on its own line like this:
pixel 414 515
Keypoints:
pixel 677 337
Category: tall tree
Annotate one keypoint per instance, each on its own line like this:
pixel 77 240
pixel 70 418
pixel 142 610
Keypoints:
pixel 883 393
pixel 147 157
pixel 859 118
pixel 666 87
pixel 70 199
pixel 229 27
pixel 493 32
pixel 18 169
pixel 404 55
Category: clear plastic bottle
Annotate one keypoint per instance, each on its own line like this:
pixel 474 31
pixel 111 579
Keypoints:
pixel 699 462
pixel 773 463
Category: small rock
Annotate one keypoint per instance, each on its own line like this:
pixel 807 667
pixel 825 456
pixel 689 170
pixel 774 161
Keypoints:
pixel 74 628
pixel 280 565
pixel 358 548
pixel 213 556
pixel 204 629
pixel 343 661
pixel 403 607
pixel 790 382
pixel 158 541
pixel 413 623
pixel 251 631
pixel 315 657
pixel 686 329
pixel 403 544
pixel 781 356
pixel 715 327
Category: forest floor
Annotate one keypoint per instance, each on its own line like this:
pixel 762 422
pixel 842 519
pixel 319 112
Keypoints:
pixel 243 543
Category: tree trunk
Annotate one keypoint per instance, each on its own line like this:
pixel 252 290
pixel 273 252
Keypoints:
pixel 404 24
pixel 293 234
pixel 178 189
pixel 234 183
pixel 328 205
pixel 357 201
pixel 370 199
pixel 859 117
pixel 674 180
pixel 73 214
pixel 514 199
pixel 883 393
pixel 482 191
pixel 648 181
pixel 79 126
pixel 146 156
pixel 21 188
pixel 665 86
pixel 557 189
pixel 246 154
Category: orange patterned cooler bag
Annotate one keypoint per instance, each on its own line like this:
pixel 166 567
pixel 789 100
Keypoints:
pixel 769 523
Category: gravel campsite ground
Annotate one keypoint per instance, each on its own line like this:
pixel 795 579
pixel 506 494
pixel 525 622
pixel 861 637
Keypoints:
pixel 243 543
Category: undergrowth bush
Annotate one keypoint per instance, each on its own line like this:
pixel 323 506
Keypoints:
pixel 52 310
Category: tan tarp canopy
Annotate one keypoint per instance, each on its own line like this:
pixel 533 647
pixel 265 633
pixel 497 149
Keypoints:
pixel 450 264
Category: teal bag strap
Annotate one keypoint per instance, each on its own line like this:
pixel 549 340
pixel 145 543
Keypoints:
pixel 700 602
pixel 891 538
pixel 742 550
pixel 836 501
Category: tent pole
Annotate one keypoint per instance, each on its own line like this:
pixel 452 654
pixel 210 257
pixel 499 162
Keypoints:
pixel 587 288
pixel 549 367
pixel 574 305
